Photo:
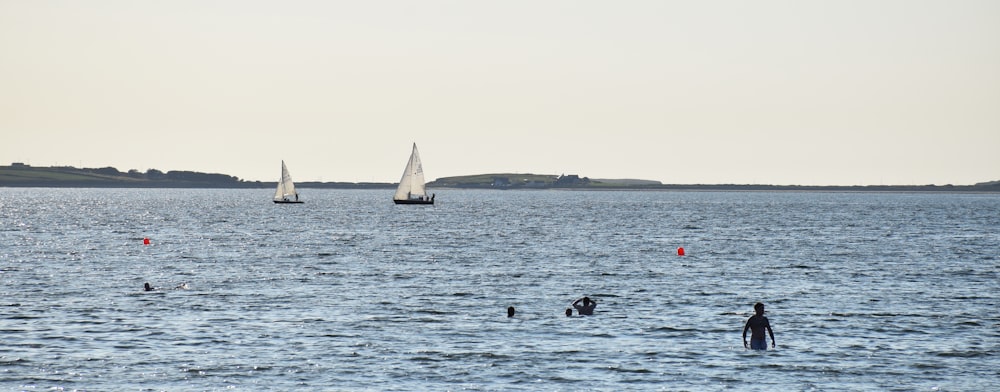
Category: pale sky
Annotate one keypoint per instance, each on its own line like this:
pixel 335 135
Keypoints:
pixel 684 92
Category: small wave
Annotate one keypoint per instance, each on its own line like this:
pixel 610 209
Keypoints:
pixel 433 312
pixel 970 298
pixel 476 355
pixel 876 314
pixel 64 338
pixel 928 366
pixel 619 369
pixel 963 354
pixel 463 294
pixel 14 361
pixel 671 329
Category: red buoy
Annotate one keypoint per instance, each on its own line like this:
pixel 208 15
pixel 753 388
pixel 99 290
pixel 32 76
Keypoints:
pixel 680 251
pixel 145 241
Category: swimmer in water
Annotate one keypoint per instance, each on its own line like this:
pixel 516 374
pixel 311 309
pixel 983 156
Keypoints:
pixel 147 287
pixel 757 324
pixel 587 308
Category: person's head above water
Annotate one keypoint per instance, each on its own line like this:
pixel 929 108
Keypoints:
pixel 569 312
pixel 759 308
pixel 510 311
pixel 147 287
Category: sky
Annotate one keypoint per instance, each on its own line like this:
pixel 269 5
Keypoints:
pixel 794 92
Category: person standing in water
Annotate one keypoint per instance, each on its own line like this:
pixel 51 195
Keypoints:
pixel 757 324
pixel 587 308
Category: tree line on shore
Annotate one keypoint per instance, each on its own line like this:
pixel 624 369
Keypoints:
pixel 22 175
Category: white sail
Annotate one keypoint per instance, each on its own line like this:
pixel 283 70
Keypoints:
pixel 411 185
pixel 286 188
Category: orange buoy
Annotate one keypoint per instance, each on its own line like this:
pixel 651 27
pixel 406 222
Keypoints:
pixel 145 241
pixel 680 251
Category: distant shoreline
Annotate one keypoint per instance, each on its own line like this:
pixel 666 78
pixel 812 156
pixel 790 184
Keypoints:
pixel 24 176
pixel 659 188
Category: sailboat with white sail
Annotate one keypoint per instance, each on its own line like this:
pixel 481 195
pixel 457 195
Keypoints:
pixel 286 193
pixel 411 185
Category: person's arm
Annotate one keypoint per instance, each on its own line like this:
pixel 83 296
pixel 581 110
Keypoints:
pixel 770 332
pixel 745 328
pixel 577 302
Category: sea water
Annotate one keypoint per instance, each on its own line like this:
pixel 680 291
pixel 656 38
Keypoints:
pixel 865 291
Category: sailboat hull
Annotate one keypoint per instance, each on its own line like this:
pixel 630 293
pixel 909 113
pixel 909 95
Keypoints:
pixel 288 202
pixel 413 201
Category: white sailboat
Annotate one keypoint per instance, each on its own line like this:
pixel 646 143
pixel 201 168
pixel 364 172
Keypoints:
pixel 411 186
pixel 286 188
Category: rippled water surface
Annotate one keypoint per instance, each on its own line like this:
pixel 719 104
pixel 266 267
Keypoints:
pixel 866 291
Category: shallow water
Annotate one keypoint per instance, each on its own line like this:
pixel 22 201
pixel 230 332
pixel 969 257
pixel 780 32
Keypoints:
pixel 870 291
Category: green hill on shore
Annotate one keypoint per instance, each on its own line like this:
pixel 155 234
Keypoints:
pixel 22 175
pixel 530 181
